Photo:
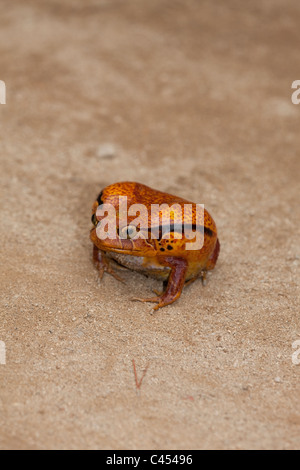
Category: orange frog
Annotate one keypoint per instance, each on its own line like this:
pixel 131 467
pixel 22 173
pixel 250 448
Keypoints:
pixel 167 256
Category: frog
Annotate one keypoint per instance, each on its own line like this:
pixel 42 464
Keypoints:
pixel 164 257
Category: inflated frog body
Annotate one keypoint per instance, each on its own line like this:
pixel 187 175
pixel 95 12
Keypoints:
pixel 167 256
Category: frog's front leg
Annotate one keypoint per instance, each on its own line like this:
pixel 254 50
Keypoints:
pixel 175 282
pixel 102 264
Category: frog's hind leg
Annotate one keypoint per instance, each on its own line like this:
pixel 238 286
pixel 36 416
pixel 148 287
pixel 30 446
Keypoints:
pixel 175 283
pixel 102 264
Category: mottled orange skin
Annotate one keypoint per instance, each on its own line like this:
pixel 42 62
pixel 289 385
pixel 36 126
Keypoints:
pixel 166 259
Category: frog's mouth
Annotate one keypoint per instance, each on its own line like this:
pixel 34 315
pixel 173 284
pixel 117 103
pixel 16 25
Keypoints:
pixel 136 247
pixel 122 241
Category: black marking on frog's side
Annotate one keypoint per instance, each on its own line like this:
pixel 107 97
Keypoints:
pixel 99 198
pixel 162 230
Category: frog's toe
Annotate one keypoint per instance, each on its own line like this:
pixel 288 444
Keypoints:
pixel 157 292
pixel 109 270
pixel 100 273
pixel 149 299
pixel 116 276
pixel 158 300
pixel 160 293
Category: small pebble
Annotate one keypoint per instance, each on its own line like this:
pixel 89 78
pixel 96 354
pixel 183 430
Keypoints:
pixel 106 151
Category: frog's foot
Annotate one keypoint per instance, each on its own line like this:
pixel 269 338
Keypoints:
pixel 175 283
pixel 158 300
pixel 103 266
pixel 109 270
pixel 161 300
pixel 203 277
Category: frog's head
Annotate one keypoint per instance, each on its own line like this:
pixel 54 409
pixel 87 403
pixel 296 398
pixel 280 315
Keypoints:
pixel 123 209
pixel 114 226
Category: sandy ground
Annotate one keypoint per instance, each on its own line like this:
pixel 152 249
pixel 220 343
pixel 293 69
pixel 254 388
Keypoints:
pixel 190 97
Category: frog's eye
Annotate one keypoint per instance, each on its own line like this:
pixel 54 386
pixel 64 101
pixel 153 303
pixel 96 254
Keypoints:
pixel 127 232
pixel 94 220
